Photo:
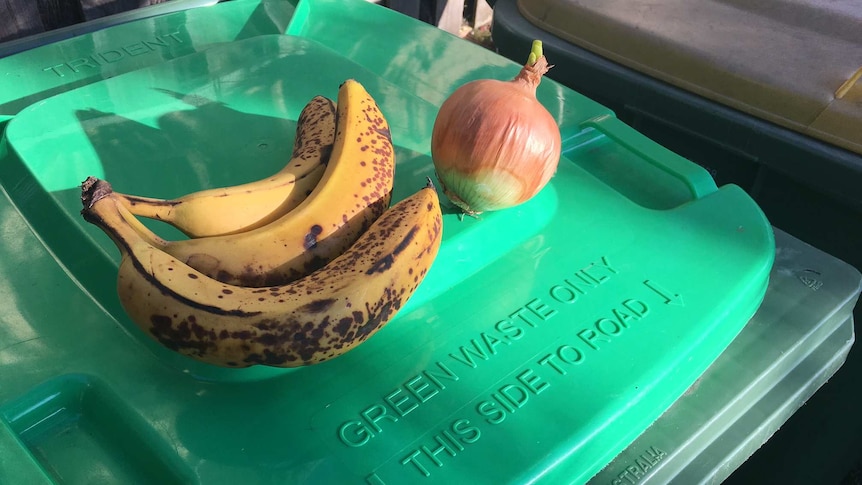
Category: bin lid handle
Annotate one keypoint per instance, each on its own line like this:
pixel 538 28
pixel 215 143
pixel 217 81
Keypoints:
pixel 842 90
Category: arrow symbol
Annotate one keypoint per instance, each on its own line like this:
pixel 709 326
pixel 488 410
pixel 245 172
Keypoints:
pixel 670 297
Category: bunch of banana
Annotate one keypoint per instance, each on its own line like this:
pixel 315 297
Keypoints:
pixel 294 289
pixel 239 208
pixel 355 188
pixel 310 320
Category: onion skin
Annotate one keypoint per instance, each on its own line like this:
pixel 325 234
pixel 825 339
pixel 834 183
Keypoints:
pixel 494 145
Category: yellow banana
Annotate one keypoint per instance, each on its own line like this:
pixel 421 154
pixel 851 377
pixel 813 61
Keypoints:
pixel 243 207
pixel 304 322
pixel 355 189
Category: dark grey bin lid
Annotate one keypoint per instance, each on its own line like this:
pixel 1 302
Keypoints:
pixel 795 63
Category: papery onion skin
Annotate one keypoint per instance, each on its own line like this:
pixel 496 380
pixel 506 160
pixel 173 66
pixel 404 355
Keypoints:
pixel 494 145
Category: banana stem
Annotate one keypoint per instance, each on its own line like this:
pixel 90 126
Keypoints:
pixel 108 214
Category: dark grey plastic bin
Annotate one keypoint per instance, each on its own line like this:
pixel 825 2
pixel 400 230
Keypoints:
pixel 807 186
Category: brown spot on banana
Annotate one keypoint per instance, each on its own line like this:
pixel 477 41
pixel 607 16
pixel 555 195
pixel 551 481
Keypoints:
pixel 384 132
pixel 386 261
pixel 318 306
pixel 311 236
pixel 202 262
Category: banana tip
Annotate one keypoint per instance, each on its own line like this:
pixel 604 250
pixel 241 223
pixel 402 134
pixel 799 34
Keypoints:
pixel 93 190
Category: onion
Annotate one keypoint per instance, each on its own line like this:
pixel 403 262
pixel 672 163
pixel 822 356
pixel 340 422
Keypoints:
pixel 493 144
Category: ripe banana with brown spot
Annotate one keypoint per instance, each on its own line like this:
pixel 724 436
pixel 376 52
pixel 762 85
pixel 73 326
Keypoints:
pixel 304 322
pixel 355 189
pixel 239 208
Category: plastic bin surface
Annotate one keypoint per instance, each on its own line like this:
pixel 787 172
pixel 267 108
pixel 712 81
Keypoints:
pixel 40 72
pixel 799 337
pixel 543 341
pixel 784 61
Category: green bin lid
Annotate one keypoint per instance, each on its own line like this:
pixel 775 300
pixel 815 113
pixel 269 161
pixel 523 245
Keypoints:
pixel 81 57
pixel 543 341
